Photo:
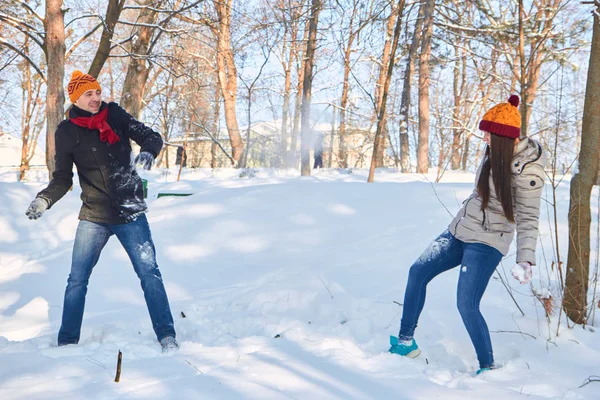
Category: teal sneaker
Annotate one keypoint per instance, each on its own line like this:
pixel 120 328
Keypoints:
pixel 407 350
pixel 481 370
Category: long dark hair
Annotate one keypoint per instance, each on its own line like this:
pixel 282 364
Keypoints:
pixel 498 159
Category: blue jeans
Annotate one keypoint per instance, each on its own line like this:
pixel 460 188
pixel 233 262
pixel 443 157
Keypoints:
pixel 137 241
pixel 478 262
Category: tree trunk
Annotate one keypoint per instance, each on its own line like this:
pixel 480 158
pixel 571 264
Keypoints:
pixel 424 78
pixel 213 147
pixel 306 140
pixel 331 139
pixel 406 86
pixel 25 117
pixel 285 111
pixel 54 47
pixel 343 151
pixel 578 262
pixel 380 133
pixel 138 69
pixel 113 11
pixel 293 161
pixel 379 86
pixel 228 76
pixel 458 89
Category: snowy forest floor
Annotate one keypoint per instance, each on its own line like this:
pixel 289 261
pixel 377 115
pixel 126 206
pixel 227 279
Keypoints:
pixel 290 288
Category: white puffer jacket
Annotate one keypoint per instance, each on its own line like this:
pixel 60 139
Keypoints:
pixel 490 226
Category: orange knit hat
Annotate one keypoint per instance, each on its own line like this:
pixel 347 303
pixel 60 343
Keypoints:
pixel 81 83
pixel 503 119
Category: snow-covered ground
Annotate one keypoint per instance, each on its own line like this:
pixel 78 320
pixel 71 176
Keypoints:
pixel 290 289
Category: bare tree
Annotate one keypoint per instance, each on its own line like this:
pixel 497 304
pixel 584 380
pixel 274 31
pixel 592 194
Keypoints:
pixel 380 133
pixel 54 47
pixel 139 68
pixel 32 114
pixel 392 20
pixel 406 86
pixel 578 262
pixel 228 74
pixel 356 24
pixel 113 11
pixel 306 141
pixel 424 82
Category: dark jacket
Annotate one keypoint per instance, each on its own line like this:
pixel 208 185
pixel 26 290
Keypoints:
pixel 112 191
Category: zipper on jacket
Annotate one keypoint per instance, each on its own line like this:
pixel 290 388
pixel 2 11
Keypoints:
pixel 464 213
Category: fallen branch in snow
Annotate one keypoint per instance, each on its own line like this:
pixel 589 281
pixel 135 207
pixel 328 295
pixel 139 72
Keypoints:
pixel 519 332
pixel 590 379
pixel 94 361
pixel 119 360
pixel 326 287
pixel 194 367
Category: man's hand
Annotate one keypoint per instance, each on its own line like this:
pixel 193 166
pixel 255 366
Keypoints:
pixel 144 159
pixel 36 208
pixel 522 272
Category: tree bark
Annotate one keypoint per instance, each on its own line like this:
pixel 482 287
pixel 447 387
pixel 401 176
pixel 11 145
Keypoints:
pixel 380 133
pixel 379 87
pixel 113 11
pixel 342 151
pixel 293 156
pixel 213 147
pixel 306 140
pixel 458 85
pixel 424 81
pixel 406 89
pixel 54 47
pixel 228 76
pixel 138 69
pixel 578 262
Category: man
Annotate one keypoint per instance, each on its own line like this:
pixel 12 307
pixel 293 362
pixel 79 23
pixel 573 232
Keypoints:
pixel 96 138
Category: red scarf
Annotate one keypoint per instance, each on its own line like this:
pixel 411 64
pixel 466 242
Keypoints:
pixel 98 121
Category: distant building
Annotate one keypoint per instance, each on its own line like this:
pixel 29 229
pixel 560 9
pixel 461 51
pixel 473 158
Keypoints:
pixel 265 149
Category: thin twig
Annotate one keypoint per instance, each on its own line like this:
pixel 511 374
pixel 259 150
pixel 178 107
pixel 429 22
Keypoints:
pixel 510 293
pixel 326 287
pixel 519 332
pixel 194 367
pixel 590 379
pixel 438 197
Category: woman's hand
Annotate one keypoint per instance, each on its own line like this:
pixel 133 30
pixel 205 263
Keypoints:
pixel 522 272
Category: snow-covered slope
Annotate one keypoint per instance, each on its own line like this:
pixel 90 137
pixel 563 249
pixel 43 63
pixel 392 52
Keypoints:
pixel 290 288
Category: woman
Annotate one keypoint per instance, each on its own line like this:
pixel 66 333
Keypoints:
pixel 507 194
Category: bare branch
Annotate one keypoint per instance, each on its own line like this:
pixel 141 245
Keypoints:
pixel 153 26
pixel 81 40
pixel 30 10
pixel 25 56
pixel 25 29
pixel 216 141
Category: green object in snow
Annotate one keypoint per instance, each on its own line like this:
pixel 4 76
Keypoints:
pixel 173 194
pixel 145 186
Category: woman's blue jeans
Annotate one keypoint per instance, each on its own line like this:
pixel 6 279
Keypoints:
pixel 136 239
pixel 478 262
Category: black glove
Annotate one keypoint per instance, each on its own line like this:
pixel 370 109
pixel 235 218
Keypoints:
pixel 36 208
pixel 144 159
